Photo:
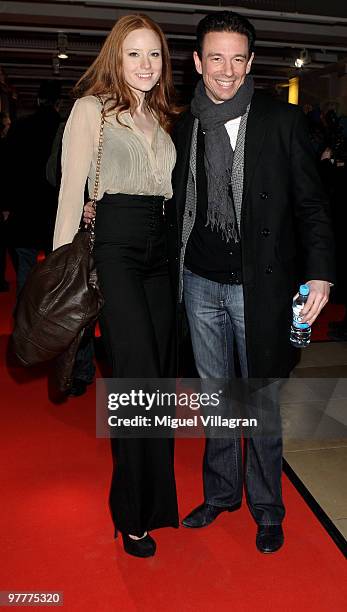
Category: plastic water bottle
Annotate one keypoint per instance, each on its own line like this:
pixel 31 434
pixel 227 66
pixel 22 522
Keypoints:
pixel 300 333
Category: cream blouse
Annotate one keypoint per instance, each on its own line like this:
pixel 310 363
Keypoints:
pixel 129 164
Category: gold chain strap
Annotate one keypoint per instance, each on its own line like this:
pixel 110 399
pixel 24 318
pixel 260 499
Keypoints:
pixel 97 174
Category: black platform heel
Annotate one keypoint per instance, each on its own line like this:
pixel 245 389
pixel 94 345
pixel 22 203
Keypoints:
pixel 145 547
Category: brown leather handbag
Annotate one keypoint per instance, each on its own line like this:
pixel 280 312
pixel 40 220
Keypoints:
pixel 60 299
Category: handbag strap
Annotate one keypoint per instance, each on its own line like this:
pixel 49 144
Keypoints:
pixel 97 173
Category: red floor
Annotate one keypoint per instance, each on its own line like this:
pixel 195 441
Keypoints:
pixel 56 532
pixel 320 329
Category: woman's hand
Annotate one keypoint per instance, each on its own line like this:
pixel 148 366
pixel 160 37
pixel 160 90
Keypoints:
pixel 88 213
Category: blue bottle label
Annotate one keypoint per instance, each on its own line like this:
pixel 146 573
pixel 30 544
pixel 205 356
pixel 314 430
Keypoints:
pixel 297 308
pixel 298 325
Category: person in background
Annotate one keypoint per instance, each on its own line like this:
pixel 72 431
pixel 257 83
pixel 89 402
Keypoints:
pixel 84 368
pixel 333 168
pixel 132 74
pixel 5 123
pixel 32 201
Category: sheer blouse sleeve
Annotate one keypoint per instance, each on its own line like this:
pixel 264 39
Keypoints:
pixel 79 143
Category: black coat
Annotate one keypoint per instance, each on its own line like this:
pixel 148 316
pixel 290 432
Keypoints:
pixel 286 234
pixel 31 200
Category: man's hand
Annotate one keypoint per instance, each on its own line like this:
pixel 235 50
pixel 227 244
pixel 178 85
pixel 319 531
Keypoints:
pixel 318 297
pixel 88 213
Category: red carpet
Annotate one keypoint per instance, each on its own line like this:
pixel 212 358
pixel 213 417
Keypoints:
pixel 331 312
pixel 56 532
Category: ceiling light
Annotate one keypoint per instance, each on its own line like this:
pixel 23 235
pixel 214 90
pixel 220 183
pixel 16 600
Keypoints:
pixel 303 59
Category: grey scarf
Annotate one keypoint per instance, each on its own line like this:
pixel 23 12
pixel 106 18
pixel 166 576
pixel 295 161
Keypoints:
pixel 219 153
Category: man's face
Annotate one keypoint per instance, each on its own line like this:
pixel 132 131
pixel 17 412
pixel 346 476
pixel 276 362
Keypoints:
pixel 6 124
pixel 224 64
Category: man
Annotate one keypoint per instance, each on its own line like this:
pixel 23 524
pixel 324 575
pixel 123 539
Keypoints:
pixel 32 201
pixel 5 123
pixel 245 188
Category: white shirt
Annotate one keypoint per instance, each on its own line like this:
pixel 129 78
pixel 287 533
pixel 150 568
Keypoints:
pixel 232 127
pixel 129 164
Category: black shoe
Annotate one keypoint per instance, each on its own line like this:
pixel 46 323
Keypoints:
pixel 78 387
pixel 144 547
pixel 204 515
pixel 269 538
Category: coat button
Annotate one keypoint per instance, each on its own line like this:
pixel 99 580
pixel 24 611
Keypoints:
pixel 265 232
pixel 268 270
pixel 264 195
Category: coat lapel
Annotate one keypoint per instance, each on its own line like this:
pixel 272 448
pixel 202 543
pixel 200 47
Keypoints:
pixel 182 139
pixel 257 125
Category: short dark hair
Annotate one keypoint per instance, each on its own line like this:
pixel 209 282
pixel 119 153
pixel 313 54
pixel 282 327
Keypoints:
pixel 49 92
pixel 224 21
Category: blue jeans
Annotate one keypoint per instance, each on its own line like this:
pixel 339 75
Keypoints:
pixel 215 314
pixel 26 259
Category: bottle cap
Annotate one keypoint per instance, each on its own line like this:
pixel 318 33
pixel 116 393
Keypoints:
pixel 304 289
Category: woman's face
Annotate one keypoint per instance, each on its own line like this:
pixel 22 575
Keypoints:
pixel 142 60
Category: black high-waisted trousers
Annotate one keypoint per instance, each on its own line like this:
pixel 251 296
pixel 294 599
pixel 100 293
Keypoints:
pixel 137 326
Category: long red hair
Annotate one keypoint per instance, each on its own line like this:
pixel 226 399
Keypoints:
pixel 105 77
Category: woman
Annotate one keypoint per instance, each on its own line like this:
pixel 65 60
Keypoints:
pixel 5 124
pixel 132 74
